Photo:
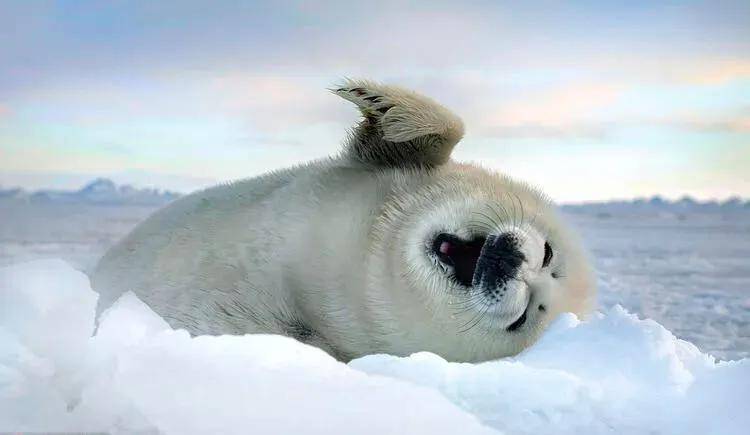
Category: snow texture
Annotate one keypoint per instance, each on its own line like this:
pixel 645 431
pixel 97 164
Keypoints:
pixel 612 374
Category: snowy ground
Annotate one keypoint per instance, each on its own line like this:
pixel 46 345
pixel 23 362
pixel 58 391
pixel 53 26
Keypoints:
pixel 77 233
pixel 690 272
pixel 612 374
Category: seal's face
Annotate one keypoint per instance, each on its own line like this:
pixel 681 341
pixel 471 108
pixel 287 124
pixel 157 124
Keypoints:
pixel 496 270
pixel 491 260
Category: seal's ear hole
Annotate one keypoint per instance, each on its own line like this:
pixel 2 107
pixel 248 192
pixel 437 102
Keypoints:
pixel 461 255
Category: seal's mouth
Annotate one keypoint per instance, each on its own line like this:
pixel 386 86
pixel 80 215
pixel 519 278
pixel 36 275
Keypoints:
pixel 461 255
pixel 520 321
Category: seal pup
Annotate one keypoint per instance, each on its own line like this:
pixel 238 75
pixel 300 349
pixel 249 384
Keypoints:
pixel 388 247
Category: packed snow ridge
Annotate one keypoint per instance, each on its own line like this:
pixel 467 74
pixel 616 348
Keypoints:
pixel 611 374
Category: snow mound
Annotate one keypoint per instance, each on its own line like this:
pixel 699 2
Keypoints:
pixel 614 373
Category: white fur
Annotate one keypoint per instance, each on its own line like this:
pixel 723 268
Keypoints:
pixel 336 252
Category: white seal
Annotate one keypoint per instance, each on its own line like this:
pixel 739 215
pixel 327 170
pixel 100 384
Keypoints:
pixel 389 247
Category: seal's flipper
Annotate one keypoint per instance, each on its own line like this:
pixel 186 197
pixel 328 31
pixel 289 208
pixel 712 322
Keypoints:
pixel 400 128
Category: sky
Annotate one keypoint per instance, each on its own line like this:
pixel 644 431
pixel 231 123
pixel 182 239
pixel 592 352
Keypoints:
pixel 588 100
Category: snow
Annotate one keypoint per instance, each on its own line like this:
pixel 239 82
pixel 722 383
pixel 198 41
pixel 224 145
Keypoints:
pixel 136 374
pixel 689 272
pixel 613 373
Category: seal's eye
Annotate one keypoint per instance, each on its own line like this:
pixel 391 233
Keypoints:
pixel 460 254
pixel 547 254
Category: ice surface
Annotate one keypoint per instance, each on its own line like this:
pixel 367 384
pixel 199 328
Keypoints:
pixel 688 271
pixel 612 374
pixel 78 233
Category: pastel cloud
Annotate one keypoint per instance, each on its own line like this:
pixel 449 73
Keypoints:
pixel 732 124
pixel 722 72
pixel 565 111
pixel 274 103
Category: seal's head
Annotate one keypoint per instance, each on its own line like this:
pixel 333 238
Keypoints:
pixel 489 259
pixel 474 264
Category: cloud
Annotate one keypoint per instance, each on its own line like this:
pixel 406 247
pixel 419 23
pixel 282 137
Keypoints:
pixel 275 103
pixel 732 123
pixel 594 110
pixel 601 130
pixel 719 72
pixel 569 111
pixel 48 43
pixel 705 70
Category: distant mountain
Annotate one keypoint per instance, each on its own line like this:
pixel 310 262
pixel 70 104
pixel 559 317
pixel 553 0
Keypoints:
pixel 657 204
pixel 100 191
pixel 11 193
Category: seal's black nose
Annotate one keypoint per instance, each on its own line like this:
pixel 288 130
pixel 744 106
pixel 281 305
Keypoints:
pixel 499 261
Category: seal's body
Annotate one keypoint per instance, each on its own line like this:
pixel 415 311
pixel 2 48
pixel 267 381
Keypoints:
pixel 388 248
